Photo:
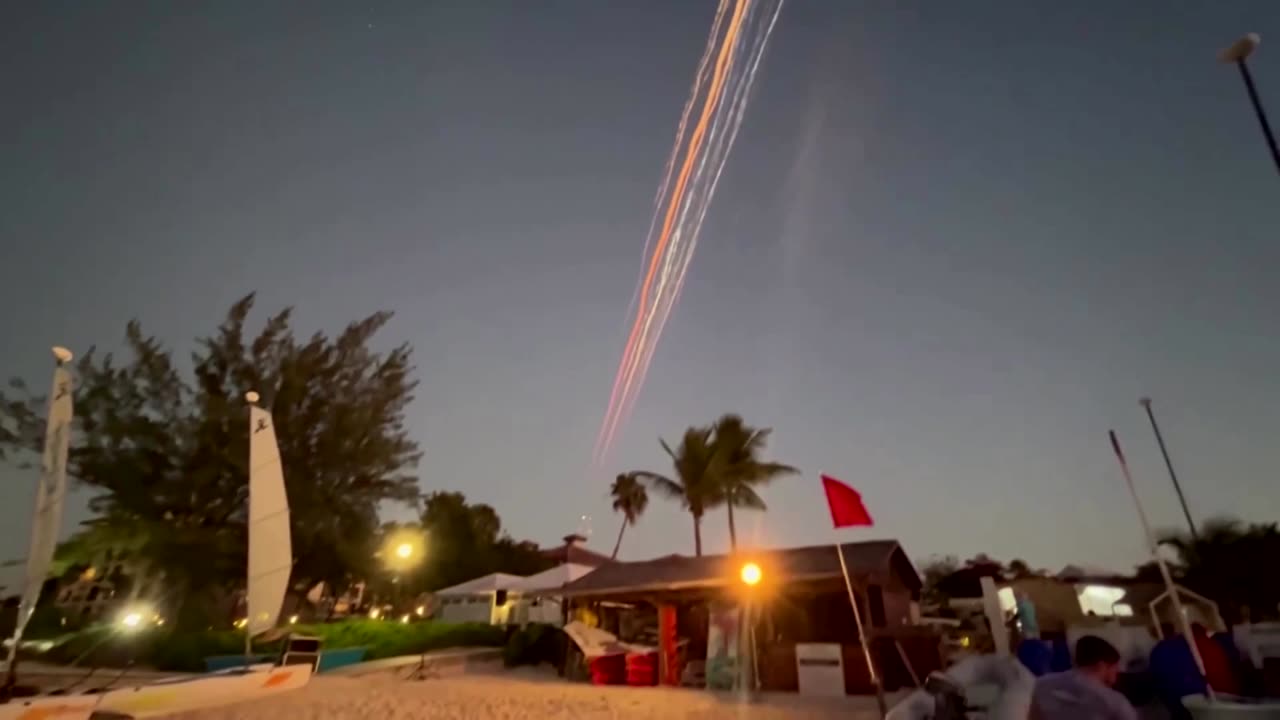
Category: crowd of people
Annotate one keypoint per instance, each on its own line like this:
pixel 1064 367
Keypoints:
pixel 1097 686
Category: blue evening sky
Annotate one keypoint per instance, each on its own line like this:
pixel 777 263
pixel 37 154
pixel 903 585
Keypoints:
pixel 955 242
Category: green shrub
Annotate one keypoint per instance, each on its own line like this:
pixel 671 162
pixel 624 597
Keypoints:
pixel 533 645
pixel 185 651
pixel 384 638
pixel 48 622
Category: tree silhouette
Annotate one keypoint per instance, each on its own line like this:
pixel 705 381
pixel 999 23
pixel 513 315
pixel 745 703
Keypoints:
pixel 630 499
pixel 166 453
pixel 743 470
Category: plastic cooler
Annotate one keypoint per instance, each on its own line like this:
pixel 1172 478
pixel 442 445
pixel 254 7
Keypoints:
pixel 609 670
pixel 642 669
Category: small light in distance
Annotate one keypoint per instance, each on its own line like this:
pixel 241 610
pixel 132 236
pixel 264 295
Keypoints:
pixel 405 618
pixel 374 614
pixel 293 619
pixel 421 611
pixel 751 574
pixel 131 620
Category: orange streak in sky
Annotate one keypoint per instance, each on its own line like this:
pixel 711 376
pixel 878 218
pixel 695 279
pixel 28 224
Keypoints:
pixel 695 143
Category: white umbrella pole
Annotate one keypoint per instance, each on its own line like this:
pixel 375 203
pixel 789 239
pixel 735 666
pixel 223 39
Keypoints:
pixel 1154 548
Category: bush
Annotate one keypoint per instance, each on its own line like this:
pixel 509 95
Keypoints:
pixel 533 645
pixel 48 622
pixel 389 639
pixel 185 651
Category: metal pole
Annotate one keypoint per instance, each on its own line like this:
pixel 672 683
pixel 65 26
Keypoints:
pixel 1182 500
pixel 1183 623
pixel 1238 54
pixel 1259 111
pixel 862 635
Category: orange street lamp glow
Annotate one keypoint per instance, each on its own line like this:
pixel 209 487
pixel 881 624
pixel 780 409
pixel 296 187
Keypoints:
pixel 751 574
pixel 404 550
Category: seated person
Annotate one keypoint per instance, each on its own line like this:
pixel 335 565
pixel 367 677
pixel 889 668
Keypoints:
pixel 1084 692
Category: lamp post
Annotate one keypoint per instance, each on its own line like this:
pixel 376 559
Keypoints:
pixel 401 553
pixel 1238 54
pixel 751 575
pixel 1177 488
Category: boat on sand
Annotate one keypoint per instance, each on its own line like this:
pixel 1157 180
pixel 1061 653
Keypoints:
pixel 270 562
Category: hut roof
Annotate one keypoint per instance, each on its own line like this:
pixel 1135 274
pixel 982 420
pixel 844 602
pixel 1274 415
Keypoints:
pixel 820 562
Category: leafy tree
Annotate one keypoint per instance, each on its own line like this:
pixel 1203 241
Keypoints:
pixel 933 572
pixel 743 471
pixel 714 465
pixel 1228 565
pixel 696 484
pixel 630 499
pixel 166 455
pixel 1019 569
pixel 465 541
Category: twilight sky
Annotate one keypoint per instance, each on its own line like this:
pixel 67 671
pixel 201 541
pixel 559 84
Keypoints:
pixel 954 244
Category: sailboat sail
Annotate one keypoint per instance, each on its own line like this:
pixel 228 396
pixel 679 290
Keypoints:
pixel 270 552
pixel 50 495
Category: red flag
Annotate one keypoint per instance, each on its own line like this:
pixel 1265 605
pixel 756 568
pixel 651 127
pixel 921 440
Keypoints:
pixel 846 505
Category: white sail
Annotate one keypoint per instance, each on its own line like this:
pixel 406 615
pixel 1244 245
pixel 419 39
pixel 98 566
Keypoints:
pixel 51 493
pixel 270 551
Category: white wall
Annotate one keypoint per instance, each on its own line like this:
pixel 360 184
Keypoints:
pixel 467 609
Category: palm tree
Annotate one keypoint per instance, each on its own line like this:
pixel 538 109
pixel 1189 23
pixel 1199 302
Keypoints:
pixel 1225 563
pixel 630 499
pixel 697 477
pixel 742 471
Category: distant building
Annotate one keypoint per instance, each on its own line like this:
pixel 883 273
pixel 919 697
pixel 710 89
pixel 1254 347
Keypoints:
pixel 575 552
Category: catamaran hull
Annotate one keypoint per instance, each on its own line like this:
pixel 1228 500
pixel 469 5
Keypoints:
pixel 71 707
pixel 206 691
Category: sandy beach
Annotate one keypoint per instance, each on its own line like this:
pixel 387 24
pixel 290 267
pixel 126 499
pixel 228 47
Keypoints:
pixel 520 696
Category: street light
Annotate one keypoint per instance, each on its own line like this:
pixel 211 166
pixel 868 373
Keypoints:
pixel 750 574
pixel 404 551
pixel 1238 54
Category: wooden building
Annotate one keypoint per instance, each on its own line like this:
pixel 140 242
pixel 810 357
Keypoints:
pixel 801 598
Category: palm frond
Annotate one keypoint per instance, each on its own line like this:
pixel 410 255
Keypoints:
pixel 745 497
pixel 661 483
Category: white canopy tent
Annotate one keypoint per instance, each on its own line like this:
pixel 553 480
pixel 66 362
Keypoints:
pixel 539 601
pixel 553 579
pixel 482 600
pixel 502 599
pixel 488 584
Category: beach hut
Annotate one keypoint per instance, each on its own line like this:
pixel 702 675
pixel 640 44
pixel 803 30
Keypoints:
pixel 692 610
pixel 485 599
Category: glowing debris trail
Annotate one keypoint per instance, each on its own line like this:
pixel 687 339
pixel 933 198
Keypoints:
pixel 683 204
pixel 644 311
pixel 675 261
pixel 698 79
pixel 678 266
pixel 627 373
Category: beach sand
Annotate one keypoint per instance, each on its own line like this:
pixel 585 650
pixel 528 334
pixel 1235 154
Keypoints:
pixel 520 696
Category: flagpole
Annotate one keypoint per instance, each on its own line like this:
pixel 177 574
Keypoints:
pixel 1164 567
pixel 862 635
